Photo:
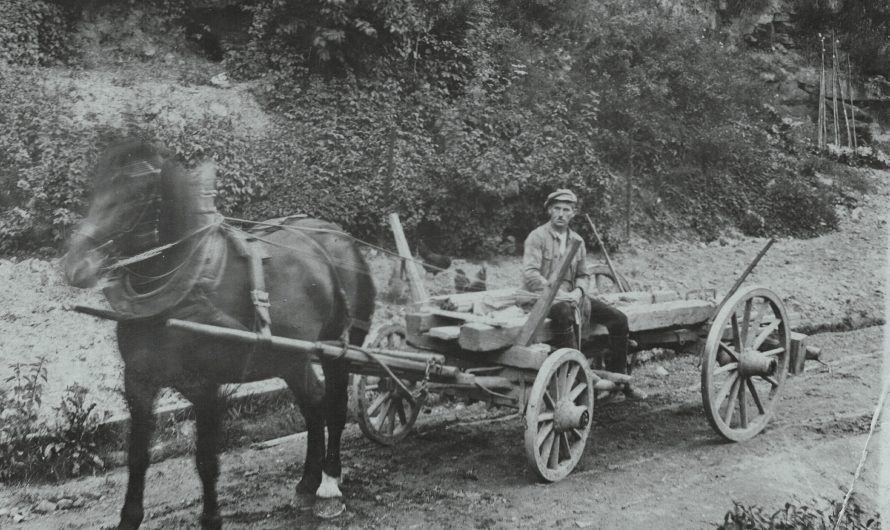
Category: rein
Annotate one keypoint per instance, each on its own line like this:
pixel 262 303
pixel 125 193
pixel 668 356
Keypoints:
pixel 150 253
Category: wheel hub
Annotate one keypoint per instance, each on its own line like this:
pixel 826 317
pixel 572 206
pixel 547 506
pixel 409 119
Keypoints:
pixel 753 362
pixel 570 416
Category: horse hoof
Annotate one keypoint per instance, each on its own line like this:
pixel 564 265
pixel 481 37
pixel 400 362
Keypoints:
pixel 328 508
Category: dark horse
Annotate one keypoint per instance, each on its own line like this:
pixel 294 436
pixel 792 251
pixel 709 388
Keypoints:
pixel 319 288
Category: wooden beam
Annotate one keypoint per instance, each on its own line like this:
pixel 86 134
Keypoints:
pixel 415 276
pixel 542 306
pixel 468 317
pixel 678 313
pixel 475 336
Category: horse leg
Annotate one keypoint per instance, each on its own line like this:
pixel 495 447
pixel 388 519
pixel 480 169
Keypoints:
pixel 208 408
pixel 307 390
pixel 140 397
pixel 328 503
pixel 336 375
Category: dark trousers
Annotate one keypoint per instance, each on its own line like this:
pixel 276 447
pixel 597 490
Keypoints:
pixel 562 320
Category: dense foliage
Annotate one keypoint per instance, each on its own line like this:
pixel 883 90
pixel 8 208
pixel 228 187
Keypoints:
pixel 34 31
pixel 461 115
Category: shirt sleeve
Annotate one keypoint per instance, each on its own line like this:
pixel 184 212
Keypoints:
pixel 582 277
pixel 532 259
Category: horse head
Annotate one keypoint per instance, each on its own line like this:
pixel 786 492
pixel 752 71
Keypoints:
pixel 141 198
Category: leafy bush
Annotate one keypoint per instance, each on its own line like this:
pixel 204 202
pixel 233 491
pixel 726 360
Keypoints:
pixel 72 446
pixel 794 517
pixel 34 32
pixel 44 157
pixel 29 448
pixel 19 419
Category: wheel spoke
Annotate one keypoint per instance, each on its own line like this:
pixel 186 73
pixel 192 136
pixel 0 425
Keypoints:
pixel 746 323
pixel 730 407
pixel 724 390
pixel 548 401
pixel 391 424
pixel 553 459
pixel 542 436
pixel 729 351
pixel 770 380
pixel 754 396
pixel 743 407
pixel 545 416
pixel 378 420
pixel 564 444
pixel 376 404
pixel 578 433
pixel 573 374
pixel 736 334
pixel 400 409
pixel 725 368
pixel 561 381
pixel 765 332
pixel 577 391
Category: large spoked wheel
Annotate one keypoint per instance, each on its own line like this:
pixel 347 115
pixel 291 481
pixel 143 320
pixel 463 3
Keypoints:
pixel 605 281
pixel 558 415
pixel 745 362
pixel 384 414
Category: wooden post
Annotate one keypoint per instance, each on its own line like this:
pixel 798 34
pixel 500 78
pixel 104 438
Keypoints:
pixel 606 254
pixel 415 277
pixel 745 274
pixel 542 306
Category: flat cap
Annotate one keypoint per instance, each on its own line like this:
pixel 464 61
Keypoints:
pixel 562 195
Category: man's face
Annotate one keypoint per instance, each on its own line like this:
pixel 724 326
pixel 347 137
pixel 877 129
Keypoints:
pixel 561 213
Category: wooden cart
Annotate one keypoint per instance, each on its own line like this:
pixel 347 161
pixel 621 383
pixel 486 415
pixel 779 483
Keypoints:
pixel 496 352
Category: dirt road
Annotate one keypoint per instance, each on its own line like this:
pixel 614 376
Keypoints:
pixel 655 464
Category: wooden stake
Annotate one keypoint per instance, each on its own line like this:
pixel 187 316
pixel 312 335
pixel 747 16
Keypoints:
pixel 821 119
pixel 605 254
pixel 850 93
pixel 542 306
pixel 415 277
pixel 837 138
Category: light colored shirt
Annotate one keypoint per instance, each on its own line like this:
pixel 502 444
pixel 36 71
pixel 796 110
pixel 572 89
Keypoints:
pixel 542 251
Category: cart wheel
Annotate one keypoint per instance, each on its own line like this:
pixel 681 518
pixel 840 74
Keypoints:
pixel 383 413
pixel 745 362
pixel 605 282
pixel 557 419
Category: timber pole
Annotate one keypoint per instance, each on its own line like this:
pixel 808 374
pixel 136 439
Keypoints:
pixel 606 255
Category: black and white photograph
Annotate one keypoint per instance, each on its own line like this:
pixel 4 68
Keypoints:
pixel 457 264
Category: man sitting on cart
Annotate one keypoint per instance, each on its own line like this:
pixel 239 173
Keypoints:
pixel 543 249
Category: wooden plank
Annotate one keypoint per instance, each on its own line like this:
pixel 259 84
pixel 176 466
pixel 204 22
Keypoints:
pixel 542 306
pixel 678 313
pixel 469 298
pixel 642 317
pixel 415 276
pixel 445 332
pixel 467 317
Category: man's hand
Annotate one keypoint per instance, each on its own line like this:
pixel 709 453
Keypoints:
pixel 574 295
